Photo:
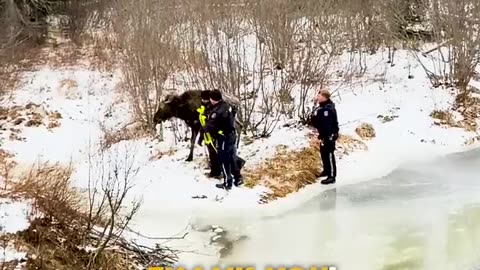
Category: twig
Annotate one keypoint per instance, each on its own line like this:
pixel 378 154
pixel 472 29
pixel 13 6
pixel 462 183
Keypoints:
pixel 156 238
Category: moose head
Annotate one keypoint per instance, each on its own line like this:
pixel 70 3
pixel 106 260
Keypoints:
pixel 167 108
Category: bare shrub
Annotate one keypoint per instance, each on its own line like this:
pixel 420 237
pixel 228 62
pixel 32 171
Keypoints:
pixel 261 54
pixel 144 36
pixel 108 185
pixel 444 117
pixel 74 229
pixel 222 53
pixel 276 31
pixel 456 27
pixel 468 105
pixel 303 42
pixel 50 188
pixel 225 52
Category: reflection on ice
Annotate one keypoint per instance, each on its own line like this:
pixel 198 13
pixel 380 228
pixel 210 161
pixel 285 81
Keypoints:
pixel 426 216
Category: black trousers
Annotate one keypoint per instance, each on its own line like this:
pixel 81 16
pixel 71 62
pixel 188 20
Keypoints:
pixel 227 156
pixel 327 153
pixel 215 168
pixel 214 162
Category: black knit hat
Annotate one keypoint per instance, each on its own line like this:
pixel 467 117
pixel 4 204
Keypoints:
pixel 216 95
pixel 205 94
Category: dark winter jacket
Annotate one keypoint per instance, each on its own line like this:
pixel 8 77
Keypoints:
pixel 221 120
pixel 324 119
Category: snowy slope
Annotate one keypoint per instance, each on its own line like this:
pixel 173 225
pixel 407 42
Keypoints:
pixel 176 195
pixel 13 218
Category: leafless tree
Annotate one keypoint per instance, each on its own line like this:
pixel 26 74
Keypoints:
pixel 304 40
pixel 110 181
pixel 143 32
pixel 456 30
pixel 222 52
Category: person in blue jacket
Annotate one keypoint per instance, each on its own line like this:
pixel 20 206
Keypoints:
pixel 324 119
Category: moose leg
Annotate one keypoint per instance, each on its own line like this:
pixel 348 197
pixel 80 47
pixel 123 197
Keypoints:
pixel 238 139
pixel 238 129
pixel 192 144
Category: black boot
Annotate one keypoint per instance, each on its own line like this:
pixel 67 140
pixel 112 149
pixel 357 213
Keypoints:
pixel 323 174
pixel 329 180
pixel 238 182
pixel 224 186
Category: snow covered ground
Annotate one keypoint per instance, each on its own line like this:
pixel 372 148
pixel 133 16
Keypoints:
pixel 13 218
pixel 176 195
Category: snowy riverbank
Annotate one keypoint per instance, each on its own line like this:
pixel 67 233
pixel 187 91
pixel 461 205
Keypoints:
pixel 398 107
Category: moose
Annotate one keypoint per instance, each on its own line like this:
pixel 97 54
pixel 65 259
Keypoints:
pixel 184 106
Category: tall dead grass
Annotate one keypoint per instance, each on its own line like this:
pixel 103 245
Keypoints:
pixel 284 174
pixel 50 187
pixel 290 171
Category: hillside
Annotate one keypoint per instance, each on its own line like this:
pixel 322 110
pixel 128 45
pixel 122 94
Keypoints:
pixel 62 116
pixel 89 180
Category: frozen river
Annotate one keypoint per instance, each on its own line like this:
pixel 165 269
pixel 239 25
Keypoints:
pixel 424 216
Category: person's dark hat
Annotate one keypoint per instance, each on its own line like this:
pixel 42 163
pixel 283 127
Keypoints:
pixel 205 94
pixel 216 95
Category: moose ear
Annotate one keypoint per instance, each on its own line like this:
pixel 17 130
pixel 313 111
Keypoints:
pixel 168 98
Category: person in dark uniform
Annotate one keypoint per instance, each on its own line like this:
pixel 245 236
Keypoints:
pixel 324 119
pixel 204 110
pixel 221 126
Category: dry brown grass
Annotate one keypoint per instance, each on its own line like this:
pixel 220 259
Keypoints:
pixel 111 137
pixel 62 223
pixel 289 171
pixel 49 186
pixel 51 238
pixel 30 115
pixel 469 107
pixel 6 168
pixel 53 246
pixel 286 172
pixel 365 131
pixel 444 117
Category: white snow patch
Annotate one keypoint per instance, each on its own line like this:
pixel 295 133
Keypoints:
pixel 13 215
pixel 81 116
pixel 13 218
pixel 9 253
